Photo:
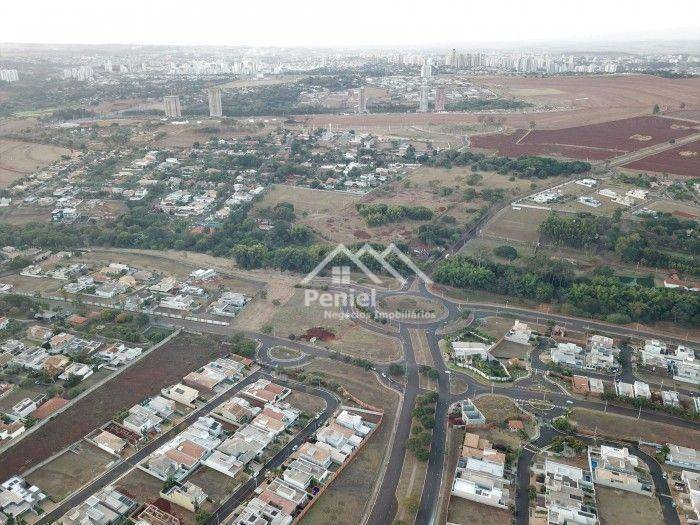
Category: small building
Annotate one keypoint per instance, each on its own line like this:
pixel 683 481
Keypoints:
pixel 683 457
pixel 110 443
pixel 471 416
pixel 641 389
pixel 623 389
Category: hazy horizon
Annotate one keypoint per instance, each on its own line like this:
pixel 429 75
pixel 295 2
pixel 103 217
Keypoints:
pixel 360 24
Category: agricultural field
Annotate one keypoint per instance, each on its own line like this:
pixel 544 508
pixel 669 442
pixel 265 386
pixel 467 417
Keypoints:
pixel 681 210
pixel 24 214
pixel 683 160
pixel 589 142
pixel 618 94
pixel 560 102
pixel 18 159
pixel 163 367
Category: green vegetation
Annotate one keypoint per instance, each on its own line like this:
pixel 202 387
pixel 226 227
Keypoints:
pixel 380 214
pixel 506 252
pixel 579 231
pixel 241 345
pixel 602 296
pixel 523 167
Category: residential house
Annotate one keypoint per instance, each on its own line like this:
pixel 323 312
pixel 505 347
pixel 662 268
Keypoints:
pixel 683 457
pixel 519 333
pixel 617 468
pixel 188 496
pixel 479 475
pixel 110 443
pixel 103 508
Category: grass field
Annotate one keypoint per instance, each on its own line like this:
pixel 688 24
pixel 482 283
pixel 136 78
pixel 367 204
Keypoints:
pixel 496 409
pixel 519 225
pixel 618 507
pixel 18 159
pixel 350 338
pixel 410 486
pixel 346 499
pixel 630 428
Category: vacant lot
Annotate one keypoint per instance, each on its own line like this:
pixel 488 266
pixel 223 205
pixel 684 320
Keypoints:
pixel 681 210
pixel 618 507
pixel 497 409
pixel 630 428
pixel 163 367
pixel 589 142
pixel 683 160
pixel 346 499
pixel 216 485
pixel 70 471
pixel 518 225
pixel 465 512
pixel 24 214
pixel 294 318
pixel 18 159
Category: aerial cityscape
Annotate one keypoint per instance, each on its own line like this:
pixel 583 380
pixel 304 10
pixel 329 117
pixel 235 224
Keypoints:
pixel 378 263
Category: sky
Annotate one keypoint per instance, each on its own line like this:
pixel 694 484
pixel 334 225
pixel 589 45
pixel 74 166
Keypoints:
pixel 347 23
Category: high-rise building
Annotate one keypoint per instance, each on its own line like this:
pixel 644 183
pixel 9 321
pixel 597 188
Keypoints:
pixel 215 103
pixel 9 75
pixel 361 101
pixel 171 106
pixel 423 103
pixel 426 70
pixel 440 99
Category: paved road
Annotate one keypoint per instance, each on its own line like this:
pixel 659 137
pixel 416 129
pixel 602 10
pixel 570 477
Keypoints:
pixel 386 504
pixel 126 465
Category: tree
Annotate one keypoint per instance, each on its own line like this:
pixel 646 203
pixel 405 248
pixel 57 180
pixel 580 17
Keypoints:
pixel 656 110
pixel 507 252
pixel 396 369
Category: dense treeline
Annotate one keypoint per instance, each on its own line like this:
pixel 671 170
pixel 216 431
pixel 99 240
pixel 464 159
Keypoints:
pixel 487 104
pixel 663 241
pixel 579 231
pixel 379 214
pixel 602 296
pixel 523 167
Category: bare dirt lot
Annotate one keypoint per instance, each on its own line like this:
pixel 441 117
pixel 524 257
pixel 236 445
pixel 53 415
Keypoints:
pixel 18 159
pixel 70 471
pixel 346 499
pixel 465 512
pixel 619 507
pixel 163 367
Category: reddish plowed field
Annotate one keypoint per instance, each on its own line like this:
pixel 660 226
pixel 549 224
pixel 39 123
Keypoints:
pixel 593 142
pixel 683 160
